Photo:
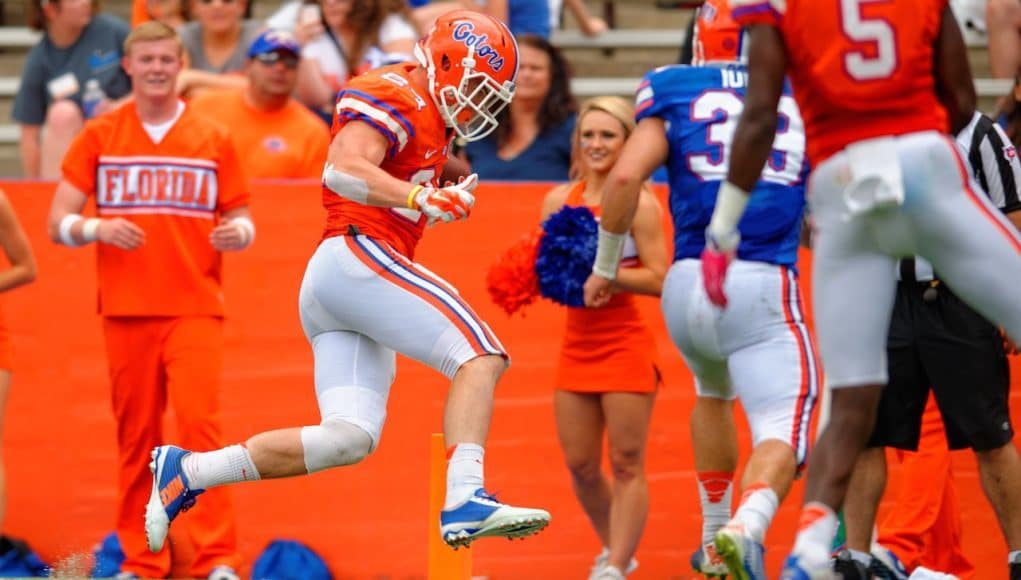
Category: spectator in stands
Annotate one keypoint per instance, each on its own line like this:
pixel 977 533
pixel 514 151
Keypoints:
pixel 533 141
pixel 216 43
pixel 1003 31
pixel 76 46
pixel 172 12
pixel 521 16
pixel 607 378
pixel 588 24
pixel 353 36
pixel 275 135
pixel 1009 113
pixel 22 270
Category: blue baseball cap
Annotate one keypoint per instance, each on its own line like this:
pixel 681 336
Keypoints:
pixel 273 40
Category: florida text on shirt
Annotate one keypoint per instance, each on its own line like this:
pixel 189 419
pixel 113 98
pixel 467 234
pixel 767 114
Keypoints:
pixel 156 185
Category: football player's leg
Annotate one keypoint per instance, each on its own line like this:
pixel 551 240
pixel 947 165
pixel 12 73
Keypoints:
pixel 971 245
pixel 692 323
pixel 853 291
pixel 777 381
pixel 420 315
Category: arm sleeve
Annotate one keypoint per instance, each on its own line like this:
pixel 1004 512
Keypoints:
pixel 233 191
pixel 82 159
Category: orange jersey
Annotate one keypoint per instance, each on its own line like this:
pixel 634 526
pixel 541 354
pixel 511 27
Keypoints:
pixel 387 99
pixel 859 68
pixel 287 143
pixel 175 191
pixel 608 349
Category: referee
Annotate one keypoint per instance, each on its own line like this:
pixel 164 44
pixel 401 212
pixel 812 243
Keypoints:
pixel 937 342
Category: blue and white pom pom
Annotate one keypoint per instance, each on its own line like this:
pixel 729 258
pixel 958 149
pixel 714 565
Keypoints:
pixel 566 253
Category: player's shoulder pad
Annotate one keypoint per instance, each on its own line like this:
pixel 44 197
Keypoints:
pixel 386 99
pixel 669 86
pixel 749 12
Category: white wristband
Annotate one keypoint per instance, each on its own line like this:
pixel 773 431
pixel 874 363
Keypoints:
pixel 90 229
pixel 608 253
pixel 65 229
pixel 730 203
pixel 247 229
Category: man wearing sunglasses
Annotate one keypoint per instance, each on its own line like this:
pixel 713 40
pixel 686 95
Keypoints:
pixel 274 134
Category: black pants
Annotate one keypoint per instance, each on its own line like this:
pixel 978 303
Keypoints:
pixel 944 345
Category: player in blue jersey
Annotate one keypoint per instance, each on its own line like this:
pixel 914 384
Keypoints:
pixel 758 348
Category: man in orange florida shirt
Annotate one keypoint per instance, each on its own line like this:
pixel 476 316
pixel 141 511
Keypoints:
pixel 276 135
pixel 170 197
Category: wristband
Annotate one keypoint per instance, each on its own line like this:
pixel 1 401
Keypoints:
pixel 90 229
pixel 411 196
pixel 65 229
pixel 730 203
pixel 608 253
pixel 247 229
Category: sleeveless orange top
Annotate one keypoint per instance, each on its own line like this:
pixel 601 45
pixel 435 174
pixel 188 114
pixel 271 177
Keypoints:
pixel 6 350
pixel 608 349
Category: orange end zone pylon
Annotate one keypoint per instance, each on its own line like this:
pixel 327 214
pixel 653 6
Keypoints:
pixel 444 562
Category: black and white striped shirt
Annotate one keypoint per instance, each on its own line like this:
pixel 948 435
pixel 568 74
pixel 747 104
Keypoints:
pixel 995 166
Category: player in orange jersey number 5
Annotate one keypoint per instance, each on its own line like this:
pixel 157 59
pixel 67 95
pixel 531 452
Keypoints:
pixel 879 84
pixel 363 297
pixel 170 197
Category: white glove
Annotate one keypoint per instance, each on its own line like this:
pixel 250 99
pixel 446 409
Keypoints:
pixel 446 204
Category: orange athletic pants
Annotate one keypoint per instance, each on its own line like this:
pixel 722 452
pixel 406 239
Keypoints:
pixel 152 359
pixel 924 527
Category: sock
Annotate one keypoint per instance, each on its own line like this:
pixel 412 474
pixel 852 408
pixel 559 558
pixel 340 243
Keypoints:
pixel 714 491
pixel 757 508
pixel 859 556
pixel 464 472
pixel 231 464
pixel 815 534
pixel 1014 557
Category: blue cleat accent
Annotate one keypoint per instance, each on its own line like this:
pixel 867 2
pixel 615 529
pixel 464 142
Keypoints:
pixel 792 570
pixel 481 515
pixel 795 569
pixel 742 554
pixel 170 495
pixel 705 561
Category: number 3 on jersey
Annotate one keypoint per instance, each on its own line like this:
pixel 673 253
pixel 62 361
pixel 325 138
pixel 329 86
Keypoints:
pixel 723 108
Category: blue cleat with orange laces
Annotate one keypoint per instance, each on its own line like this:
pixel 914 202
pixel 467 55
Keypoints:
pixel 170 495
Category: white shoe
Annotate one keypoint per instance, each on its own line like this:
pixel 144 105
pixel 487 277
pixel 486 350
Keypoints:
pixel 608 573
pixel 603 558
pixel 223 573
pixel 923 573
pixel 481 515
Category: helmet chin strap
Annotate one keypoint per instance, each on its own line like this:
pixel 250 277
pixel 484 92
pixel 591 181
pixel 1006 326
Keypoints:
pixel 425 59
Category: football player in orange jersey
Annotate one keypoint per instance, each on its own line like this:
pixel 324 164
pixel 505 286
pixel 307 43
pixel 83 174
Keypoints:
pixel 363 297
pixel 170 197
pixel 879 85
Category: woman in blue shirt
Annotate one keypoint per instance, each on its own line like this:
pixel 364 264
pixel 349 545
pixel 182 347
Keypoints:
pixel 533 141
